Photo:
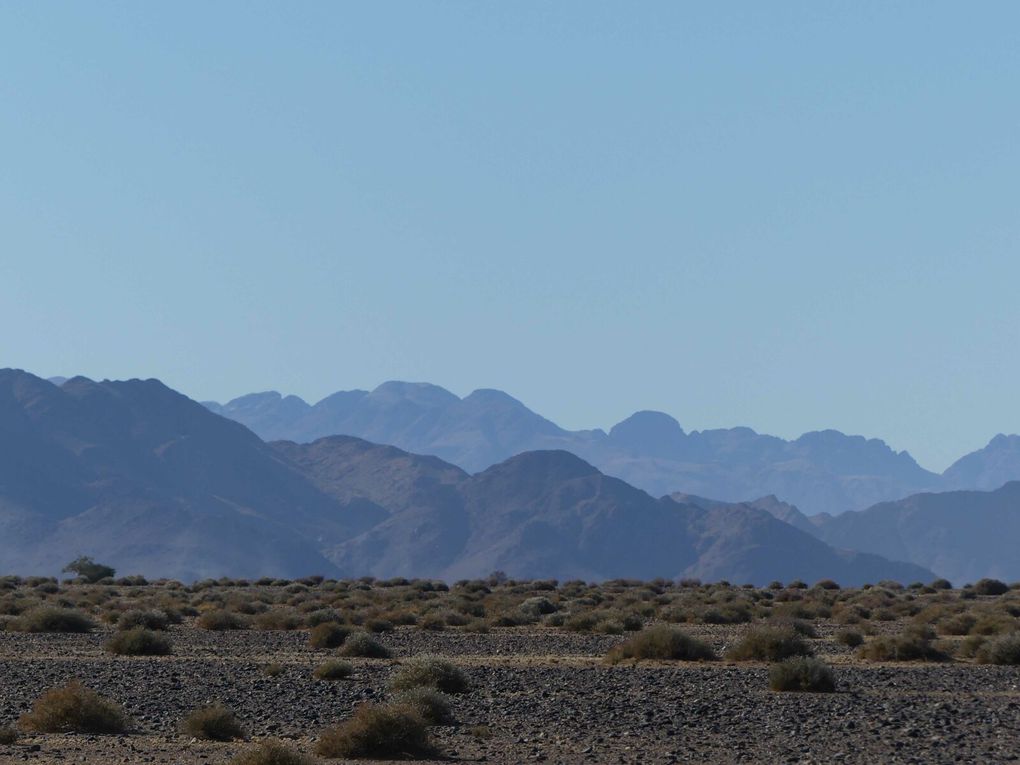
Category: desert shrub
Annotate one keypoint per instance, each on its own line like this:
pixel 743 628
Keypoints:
pixel 958 624
pixel 8 735
pixel 432 705
pixel 321 616
pixel 990 587
pixel 802 674
pixel 914 644
pixel 827 584
pixel 138 642
pixel 328 635
pixel 769 644
pixel 333 670
pixel 730 614
pixel 850 638
pixel 941 584
pixel 273 670
pixel 379 625
pixel 74 709
pixel 581 622
pixel 663 643
pixel 279 619
pixel 800 626
pixel 220 620
pixel 378 731
pixel 477 626
pixel 993 624
pixel 364 645
pixel 1000 650
pixel 432 623
pixel 538 606
pixel 212 723
pixel 608 627
pixel 429 672
pixel 271 752
pixel 52 619
pixel 150 620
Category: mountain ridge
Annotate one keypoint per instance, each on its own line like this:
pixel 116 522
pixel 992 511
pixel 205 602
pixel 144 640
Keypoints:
pixel 152 482
pixel 823 471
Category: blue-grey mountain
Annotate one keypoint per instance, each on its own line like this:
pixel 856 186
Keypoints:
pixel 823 471
pixel 151 482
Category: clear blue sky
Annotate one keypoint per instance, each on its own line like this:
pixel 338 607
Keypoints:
pixel 788 215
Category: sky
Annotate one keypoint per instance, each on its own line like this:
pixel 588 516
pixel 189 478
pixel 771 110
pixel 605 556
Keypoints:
pixel 790 216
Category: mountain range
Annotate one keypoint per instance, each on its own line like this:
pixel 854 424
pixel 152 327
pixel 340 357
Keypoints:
pixel 145 479
pixel 819 472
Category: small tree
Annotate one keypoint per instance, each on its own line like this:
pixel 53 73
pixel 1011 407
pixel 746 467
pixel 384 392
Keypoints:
pixel 89 570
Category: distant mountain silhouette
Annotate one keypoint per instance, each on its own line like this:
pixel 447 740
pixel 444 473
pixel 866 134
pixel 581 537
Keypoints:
pixel 988 468
pixel 137 474
pixel 823 471
pixel 147 480
pixel 551 514
pixel 962 535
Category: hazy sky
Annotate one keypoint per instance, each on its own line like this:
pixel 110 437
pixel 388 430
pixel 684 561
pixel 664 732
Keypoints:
pixel 784 215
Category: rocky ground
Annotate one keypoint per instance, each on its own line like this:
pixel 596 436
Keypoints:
pixel 538 696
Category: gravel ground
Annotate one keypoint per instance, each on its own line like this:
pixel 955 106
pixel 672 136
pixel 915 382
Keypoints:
pixel 541 696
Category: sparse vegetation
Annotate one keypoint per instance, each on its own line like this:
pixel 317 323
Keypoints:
pixel 335 669
pixel 802 674
pixel 138 642
pixel 1000 650
pixel 432 705
pixel 429 672
pixel 271 752
pixel 914 644
pixel 769 644
pixel 328 635
pixel 663 643
pixel 8 735
pixel 74 709
pixel 52 619
pixel 213 723
pixel 221 620
pixel 378 731
pixel 361 644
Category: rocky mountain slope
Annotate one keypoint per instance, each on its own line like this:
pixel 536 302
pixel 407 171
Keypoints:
pixel 142 477
pixel 823 471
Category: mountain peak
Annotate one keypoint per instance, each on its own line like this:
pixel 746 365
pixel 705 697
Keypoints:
pixel 654 432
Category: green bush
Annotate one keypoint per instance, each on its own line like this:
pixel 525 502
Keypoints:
pixel 328 635
pixel 51 619
pixel 88 570
pixel 1000 650
pixel 662 643
pixel 769 644
pixel 378 731
pixel 213 723
pixel 333 670
pixel 271 752
pixel 990 587
pixel 432 705
pixel 802 674
pixel 74 709
pixel 429 672
pixel 364 645
pixel 138 642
